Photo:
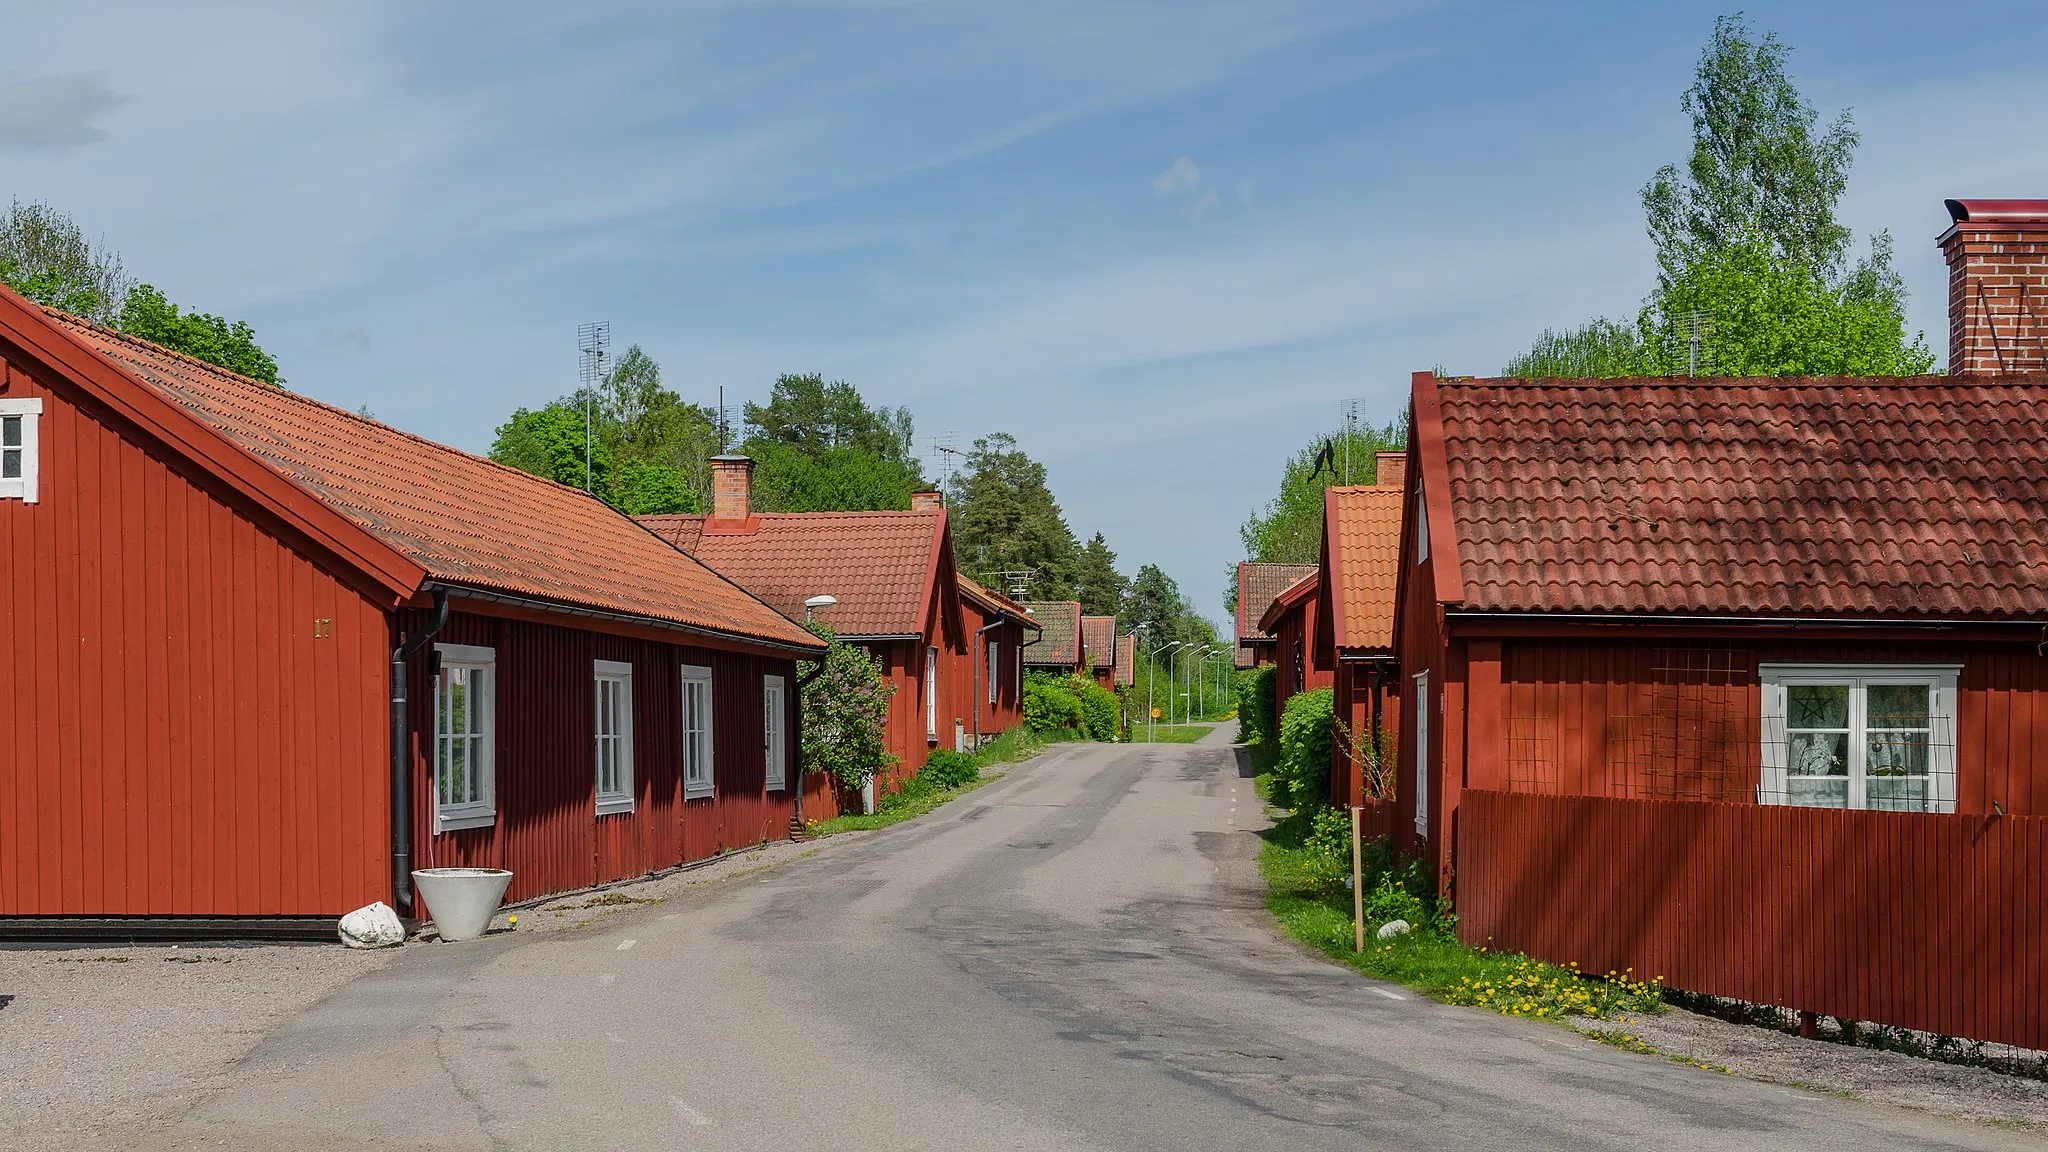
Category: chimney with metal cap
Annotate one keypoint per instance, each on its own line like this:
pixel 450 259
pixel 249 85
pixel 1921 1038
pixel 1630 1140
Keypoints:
pixel 1997 286
pixel 1389 469
pixel 732 487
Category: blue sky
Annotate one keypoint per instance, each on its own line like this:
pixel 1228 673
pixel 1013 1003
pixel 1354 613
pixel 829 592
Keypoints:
pixel 1158 242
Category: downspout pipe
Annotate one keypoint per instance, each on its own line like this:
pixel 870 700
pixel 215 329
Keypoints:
pixel 999 622
pixel 401 759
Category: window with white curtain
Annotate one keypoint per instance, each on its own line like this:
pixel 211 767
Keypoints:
pixel 698 772
pixel 1422 753
pixel 20 449
pixel 775 740
pixel 465 731
pixel 614 737
pixel 1859 736
pixel 931 693
pixel 995 649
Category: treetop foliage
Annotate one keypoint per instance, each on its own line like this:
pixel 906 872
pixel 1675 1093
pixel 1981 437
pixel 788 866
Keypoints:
pixel 819 447
pixel 1005 518
pixel 1289 530
pixel 649 449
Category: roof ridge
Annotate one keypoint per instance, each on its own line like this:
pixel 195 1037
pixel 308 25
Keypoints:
pixel 1921 380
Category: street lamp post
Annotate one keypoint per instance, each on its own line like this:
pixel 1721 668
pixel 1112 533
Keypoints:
pixel 812 605
pixel 1168 649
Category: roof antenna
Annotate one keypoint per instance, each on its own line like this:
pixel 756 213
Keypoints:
pixel 1695 325
pixel 947 445
pixel 593 343
pixel 1351 409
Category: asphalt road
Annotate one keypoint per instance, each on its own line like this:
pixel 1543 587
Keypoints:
pixel 1072 958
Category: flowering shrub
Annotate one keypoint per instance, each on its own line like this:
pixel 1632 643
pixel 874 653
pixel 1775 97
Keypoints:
pixel 845 713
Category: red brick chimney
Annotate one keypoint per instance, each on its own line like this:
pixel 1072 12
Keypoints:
pixel 732 487
pixel 927 501
pixel 1997 285
pixel 1390 469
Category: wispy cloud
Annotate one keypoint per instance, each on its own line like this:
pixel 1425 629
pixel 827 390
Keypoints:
pixel 1182 174
pixel 53 113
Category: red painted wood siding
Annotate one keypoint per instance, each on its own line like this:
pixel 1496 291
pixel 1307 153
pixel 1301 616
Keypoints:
pixel 1294 634
pixel 548 832
pixel 178 736
pixel 1352 691
pixel 1919 921
pixel 1008 709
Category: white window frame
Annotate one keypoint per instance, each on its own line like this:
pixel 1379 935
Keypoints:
pixel 477 663
pixel 30 413
pixel 995 652
pixel 700 769
pixel 1773 679
pixel 1422 753
pixel 931 692
pixel 1421 527
pixel 775 740
pixel 620 675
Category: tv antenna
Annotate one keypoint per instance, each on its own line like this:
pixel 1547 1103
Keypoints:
pixel 947 445
pixel 1017 581
pixel 593 346
pixel 725 422
pixel 1351 410
pixel 1695 325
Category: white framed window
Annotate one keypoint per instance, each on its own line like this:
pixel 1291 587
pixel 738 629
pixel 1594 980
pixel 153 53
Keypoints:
pixel 995 651
pixel 465 737
pixel 1876 736
pixel 698 773
pixel 1421 527
pixel 1422 753
pixel 614 737
pixel 20 449
pixel 931 693
pixel 775 740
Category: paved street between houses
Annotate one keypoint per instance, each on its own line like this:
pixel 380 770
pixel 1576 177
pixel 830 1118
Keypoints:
pixel 1075 957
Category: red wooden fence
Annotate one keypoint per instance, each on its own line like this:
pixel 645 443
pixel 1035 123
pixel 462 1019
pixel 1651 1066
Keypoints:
pixel 1919 921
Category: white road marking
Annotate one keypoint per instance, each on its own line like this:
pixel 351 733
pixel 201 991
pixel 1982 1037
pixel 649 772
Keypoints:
pixel 1387 994
pixel 688 1113
pixel 625 944
pixel 615 1038
pixel 671 915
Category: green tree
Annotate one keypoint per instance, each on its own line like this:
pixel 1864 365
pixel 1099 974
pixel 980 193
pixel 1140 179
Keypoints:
pixel 648 448
pixel 145 313
pixel 1752 265
pixel 1154 602
pixel 1005 519
pixel 845 713
pixel 819 447
pixel 45 256
pixel 789 479
pixel 1098 585
pixel 1290 528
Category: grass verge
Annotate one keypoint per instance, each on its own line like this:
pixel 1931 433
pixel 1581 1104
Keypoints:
pixel 918 796
pixel 1296 860
pixel 1168 733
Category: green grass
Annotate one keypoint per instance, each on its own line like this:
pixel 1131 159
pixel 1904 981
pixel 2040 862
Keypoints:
pixel 1428 960
pixel 1168 733
pixel 916 799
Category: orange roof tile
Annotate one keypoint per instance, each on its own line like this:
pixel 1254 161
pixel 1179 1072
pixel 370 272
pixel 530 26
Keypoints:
pixel 1826 496
pixel 465 520
pixel 1257 585
pixel 1059 638
pixel 991 603
pixel 883 566
pixel 1098 638
pixel 1363 524
pixel 1127 659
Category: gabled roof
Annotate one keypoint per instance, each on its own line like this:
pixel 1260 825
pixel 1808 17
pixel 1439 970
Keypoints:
pixel 1289 597
pixel 1257 586
pixel 1824 497
pixel 1059 637
pixel 1098 638
pixel 992 603
pixel 884 567
pixel 438 514
pixel 1127 659
pixel 1362 546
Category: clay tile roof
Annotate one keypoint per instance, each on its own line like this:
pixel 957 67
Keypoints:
pixel 1059 638
pixel 1127 659
pixel 1883 497
pixel 1365 564
pixel 1257 586
pixel 883 566
pixel 991 603
pixel 464 519
pixel 1288 598
pixel 1098 637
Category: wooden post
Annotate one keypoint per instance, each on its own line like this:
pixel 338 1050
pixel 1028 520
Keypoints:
pixel 1357 888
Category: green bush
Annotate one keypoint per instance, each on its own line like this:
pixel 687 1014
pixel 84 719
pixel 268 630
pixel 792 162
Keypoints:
pixel 1255 723
pixel 1305 730
pixel 1100 709
pixel 945 768
pixel 1048 705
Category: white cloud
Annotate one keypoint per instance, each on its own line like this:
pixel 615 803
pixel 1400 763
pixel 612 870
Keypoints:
pixel 1182 174
pixel 53 113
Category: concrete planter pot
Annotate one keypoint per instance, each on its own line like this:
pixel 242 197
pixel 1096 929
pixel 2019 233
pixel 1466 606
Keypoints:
pixel 461 900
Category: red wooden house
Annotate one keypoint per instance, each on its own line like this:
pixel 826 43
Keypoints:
pixel 1292 620
pixel 891 574
pixel 1098 643
pixel 228 599
pixel 1258 585
pixel 1058 647
pixel 1740 682
pixel 1000 627
pixel 1354 640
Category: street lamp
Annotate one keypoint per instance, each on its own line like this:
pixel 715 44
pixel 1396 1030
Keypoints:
pixel 1168 649
pixel 1194 674
pixel 812 605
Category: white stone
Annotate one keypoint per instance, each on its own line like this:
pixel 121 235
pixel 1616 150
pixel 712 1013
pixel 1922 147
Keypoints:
pixel 1393 928
pixel 373 926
